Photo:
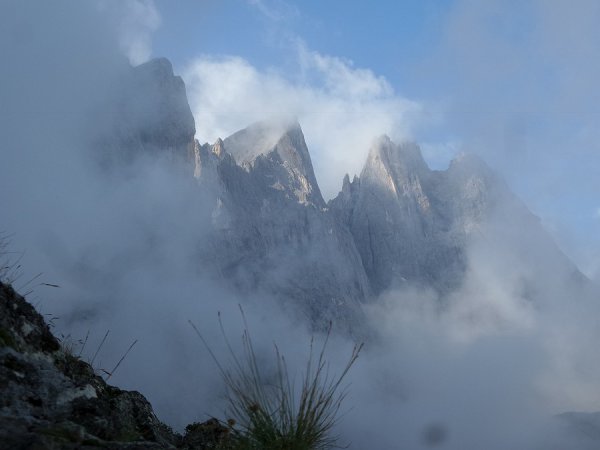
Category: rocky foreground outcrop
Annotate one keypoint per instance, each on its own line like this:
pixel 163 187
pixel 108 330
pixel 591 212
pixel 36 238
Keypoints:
pixel 51 399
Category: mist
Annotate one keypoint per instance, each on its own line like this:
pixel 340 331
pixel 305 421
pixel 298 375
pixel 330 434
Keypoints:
pixel 486 367
pixel 519 88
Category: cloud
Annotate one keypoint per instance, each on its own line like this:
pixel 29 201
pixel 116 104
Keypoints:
pixel 520 87
pixel 489 364
pixel 340 107
pixel 275 10
pixel 136 20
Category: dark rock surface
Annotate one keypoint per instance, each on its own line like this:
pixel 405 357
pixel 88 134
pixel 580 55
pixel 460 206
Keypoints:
pixel 50 399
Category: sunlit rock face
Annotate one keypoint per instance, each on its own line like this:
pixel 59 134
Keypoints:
pixel 403 220
pixel 273 233
pixel 278 158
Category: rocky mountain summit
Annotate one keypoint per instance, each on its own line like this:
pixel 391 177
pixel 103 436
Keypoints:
pixel 280 153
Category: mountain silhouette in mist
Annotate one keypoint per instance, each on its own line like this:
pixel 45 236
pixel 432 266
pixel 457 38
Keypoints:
pixel 397 224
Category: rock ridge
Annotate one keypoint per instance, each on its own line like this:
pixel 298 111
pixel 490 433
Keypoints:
pixel 51 399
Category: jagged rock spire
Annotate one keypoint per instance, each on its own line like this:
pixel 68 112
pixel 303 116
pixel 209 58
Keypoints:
pixel 279 151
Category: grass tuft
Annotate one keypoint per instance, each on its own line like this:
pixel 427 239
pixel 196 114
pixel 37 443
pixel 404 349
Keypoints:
pixel 271 414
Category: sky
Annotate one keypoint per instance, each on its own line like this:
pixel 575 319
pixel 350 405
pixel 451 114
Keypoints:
pixel 514 82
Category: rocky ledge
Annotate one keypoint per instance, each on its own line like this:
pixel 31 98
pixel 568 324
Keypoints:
pixel 51 399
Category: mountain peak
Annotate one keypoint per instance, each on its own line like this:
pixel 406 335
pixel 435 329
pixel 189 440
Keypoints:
pixel 217 147
pixel 257 139
pixel 407 154
pixel 390 164
pixel 277 146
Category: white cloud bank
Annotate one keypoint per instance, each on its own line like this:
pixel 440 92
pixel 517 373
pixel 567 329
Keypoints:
pixel 136 21
pixel 341 108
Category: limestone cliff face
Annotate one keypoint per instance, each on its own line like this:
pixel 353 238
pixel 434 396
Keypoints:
pixel 402 228
pixel 272 231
